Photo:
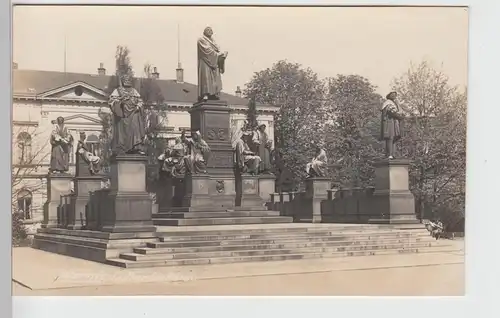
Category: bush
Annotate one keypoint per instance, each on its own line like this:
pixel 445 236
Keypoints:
pixel 19 233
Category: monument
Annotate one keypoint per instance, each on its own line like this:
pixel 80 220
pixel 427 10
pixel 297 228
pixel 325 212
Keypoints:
pixel 87 179
pixel 392 200
pixel 317 185
pixel 214 175
pixel 127 206
pixel 58 179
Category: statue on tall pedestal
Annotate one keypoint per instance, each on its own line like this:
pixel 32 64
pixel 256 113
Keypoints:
pixel 128 118
pixel 62 143
pixel 211 64
pixel 317 166
pixel 198 154
pixel 390 130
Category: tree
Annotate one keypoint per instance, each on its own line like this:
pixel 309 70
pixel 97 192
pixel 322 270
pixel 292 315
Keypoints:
pixel 300 120
pixel 252 114
pixel 352 135
pixel 28 157
pixel 154 102
pixel 123 66
pixel 434 138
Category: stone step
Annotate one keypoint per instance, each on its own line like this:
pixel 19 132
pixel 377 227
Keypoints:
pixel 277 257
pixel 218 209
pixel 274 240
pixel 255 252
pixel 394 221
pixel 276 245
pixel 298 235
pixel 96 234
pixel 93 242
pixel 221 214
pixel 203 231
pixel 223 221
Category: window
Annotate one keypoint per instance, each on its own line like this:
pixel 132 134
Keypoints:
pixel 24 145
pixel 24 200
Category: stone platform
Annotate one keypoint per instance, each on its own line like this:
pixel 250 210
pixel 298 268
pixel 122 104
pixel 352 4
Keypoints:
pixel 196 245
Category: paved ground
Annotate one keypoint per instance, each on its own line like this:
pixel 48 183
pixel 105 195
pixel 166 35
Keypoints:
pixel 435 274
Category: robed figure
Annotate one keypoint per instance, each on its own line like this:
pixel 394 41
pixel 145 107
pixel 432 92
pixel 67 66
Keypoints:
pixel 211 64
pixel 172 161
pixel 88 154
pixel 62 144
pixel 262 147
pixel 128 118
pixel 317 166
pixel 390 130
pixel 198 154
pixel 246 161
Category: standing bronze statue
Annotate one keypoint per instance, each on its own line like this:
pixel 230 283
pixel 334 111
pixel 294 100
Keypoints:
pixel 62 143
pixel 390 131
pixel 129 129
pixel 211 64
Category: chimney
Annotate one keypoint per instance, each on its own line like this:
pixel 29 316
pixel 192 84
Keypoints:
pixel 179 73
pixel 238 91
pixel 155 73
pixel 101 70
pixel 14 66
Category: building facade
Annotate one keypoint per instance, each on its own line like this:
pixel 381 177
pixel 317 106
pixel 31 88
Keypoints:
pixel 40 97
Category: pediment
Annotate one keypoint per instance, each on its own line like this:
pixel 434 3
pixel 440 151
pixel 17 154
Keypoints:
pixel 80 119
pixel 76 91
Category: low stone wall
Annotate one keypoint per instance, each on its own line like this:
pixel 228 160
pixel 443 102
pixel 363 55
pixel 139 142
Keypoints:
pixel 355 205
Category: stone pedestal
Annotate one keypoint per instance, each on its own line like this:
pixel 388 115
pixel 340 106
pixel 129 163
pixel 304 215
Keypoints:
pixel 250 191
pixel 316 192
pixel 128 206
pixel 196 190
pixel 212 119
pixel 266 186
pixel 57 185
pixel 393 201
pixel 79 200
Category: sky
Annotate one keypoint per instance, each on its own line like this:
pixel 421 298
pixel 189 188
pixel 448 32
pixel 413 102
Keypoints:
pixel 377 43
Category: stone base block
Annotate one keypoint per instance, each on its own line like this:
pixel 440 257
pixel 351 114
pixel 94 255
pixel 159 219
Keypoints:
pixel 196 190
pixel 57 185
pixel 126 212
pixel 316 193
pixel 90 245
pixel 250 194
pixel 77 209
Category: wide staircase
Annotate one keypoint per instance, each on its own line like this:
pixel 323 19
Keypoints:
pixel 198 245
pixel 219 216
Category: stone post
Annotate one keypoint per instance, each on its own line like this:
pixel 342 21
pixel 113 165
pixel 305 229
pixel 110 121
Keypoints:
pixel 250 191
pixel 196 191
pixel 393 201
pixel 266 186
pixel 57 185
pixel 128 206
pixel 316 192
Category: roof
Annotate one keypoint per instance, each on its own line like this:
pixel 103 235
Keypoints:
pixel 34 82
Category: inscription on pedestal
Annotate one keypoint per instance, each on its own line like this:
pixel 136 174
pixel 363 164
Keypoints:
pixel 217 120
pixel 221 159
